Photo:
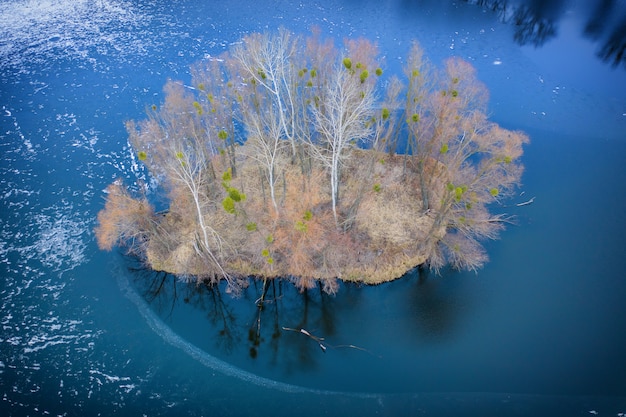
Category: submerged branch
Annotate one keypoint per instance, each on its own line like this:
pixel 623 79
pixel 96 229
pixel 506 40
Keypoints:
pixel 319 341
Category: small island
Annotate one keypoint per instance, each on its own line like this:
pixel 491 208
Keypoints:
pixel 293 158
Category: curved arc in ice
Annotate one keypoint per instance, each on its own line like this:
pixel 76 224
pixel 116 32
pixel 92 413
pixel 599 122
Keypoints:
pixel 157 325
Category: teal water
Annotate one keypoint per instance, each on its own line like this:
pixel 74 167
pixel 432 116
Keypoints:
pixel 538 331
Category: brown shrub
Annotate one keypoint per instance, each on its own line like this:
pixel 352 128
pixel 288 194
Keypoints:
pixel 123 220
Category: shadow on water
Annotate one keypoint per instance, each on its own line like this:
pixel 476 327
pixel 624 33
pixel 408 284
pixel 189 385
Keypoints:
pixel 310 338
pixel 167 295
pixel 537 22
pixel 263 324
pixel 277 398
pixel 433 304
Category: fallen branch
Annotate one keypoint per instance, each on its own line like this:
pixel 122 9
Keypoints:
pixel 322 346
pixel 525 203
pixel 319 340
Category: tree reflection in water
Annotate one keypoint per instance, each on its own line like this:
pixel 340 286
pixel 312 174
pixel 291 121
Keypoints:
pixel 281 308
pixel 164 292
pixel 262 313
pixel 434 304
pixel 607 24
pixel 274 330
pixel 434 312
pixel 536 22
pixel 206 297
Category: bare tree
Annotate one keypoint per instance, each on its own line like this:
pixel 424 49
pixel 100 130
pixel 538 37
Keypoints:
pixel 468 163
pixel 343 118
pixel 387 124
pixel 215 106
pixel 174 148
pixel 264 143
pixel 420 120
pixel 268 61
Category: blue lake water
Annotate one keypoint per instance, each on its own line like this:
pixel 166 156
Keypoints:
pixel 540 330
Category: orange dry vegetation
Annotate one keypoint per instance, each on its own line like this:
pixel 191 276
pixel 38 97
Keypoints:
pixel 123 218
pixel 380 235
pixel 379 238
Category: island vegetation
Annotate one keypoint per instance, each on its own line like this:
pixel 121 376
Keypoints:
pixel 291 157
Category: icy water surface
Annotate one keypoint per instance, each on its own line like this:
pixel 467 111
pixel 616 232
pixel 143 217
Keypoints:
pixel 538 331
